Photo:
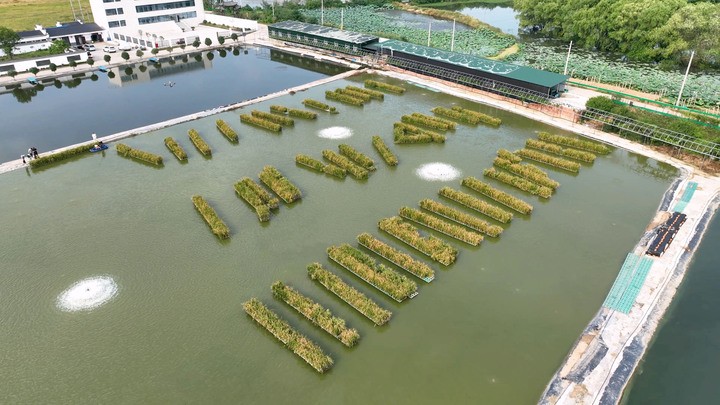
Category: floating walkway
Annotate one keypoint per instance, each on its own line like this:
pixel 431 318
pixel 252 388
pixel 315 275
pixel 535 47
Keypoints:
pixel 627 285
pixel 665 234
pixel 687 195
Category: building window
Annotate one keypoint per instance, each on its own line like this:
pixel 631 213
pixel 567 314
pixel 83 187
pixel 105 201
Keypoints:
pixel 165 6
pixel 113 11
pixel 115 24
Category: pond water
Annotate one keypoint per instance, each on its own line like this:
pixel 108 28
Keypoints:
pixel 501 16
pixel 165 322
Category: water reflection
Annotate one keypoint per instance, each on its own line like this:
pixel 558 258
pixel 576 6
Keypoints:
pixel 147 71
pixel 501 15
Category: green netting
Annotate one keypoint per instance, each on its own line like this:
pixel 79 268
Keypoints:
pixel 628 298
pixel 622 281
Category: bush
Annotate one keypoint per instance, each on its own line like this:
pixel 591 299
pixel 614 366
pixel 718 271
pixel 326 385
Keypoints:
pixel 60 156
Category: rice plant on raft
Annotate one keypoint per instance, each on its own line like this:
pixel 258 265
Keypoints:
pixel 278 109
pixel 59 156
pixel 304 114
pixel 350 295
pixel 127 151
pixel 384 151
pixel 226 130
pixel 574 143
pixel 335 171
pixel 319 105
pixel 374 84
pixel 476 204
pixel 518 182
pixel 175 148
pixel 398 258
pixel 278 119
pixel 435 248
pixel 316 314
pixel 355 170
pixel 260 123
pixel 294 340
pixel 440 225
pixel 527 171
pixel 310 162
pixel 484 118
pixel 360 158
pixel 559 150
pixel 359 95
pixel 216 224
pixel 463 218
pixel 344 98
pixel 199 143
pixel 502 197
pixel 463 117
pixel 395 285
pixel 280 184
pixel 422 120
pixel 245 190
pixel 506 154
pixel 404 134
pixel 377 95
pixel 549 160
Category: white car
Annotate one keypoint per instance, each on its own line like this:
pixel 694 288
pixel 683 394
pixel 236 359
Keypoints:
pixel 125 47
pixel 110 49
pixel 89 47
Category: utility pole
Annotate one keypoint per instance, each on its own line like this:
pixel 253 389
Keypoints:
pixel 322 12
pixel 567 60
pixel 342 18
pixel 452 41
pixel 682 86
pixel 429 30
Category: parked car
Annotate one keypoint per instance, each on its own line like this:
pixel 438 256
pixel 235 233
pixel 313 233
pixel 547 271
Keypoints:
pixel 125 47
pixel 89 47
pixel 110 49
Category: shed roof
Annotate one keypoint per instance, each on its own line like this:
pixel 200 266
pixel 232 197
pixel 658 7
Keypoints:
pixel 73 28
pixel 30 34
pixel 517 72
pixel 325 32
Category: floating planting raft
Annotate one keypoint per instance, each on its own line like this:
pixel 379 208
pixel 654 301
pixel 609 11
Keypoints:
pixel 396 257
pixel 304 114
pixel 374 84
pixel 476 204
pixel 280 184
pixel 502 197
pixel 574 143
pixel 463 218
pixel 405 133
pixel 559 150
pixel 278 109
pixel 295 341
pixel 549 160
pixel 351 296
pixel 442 226
pixel 260 123
pixel 355 170
pixel 391 283
pixel 507 155
pixel 344 98
pixel 216 224
pixel 319 105
pixel 359 95
pixel 527 171
pixel 336 171
pixel 438 124
pixel 464 117
pixel 438 250
pixel 359 158
pixel 484 118
pixel 175 148
pixel 57 157
pixel 384 151
pixel 518 182
pixel 319 166
pixel 199 143
pixel 257 197
pixel 316 314
pixel 278 119
pixel 226 130
pixel 377 95
pixel 148 157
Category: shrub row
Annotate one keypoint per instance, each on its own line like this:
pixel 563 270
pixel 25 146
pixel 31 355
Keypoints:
pixel 484 118
pixel 350 295
pixel 343 98
pixel 559 150
pixel 199 143
pixel 226 130
pixel 442 226
pixel 381 277
pixel 574 143
pixel 476 204
pixel 384 151
pixel 373 84
pixel 346 164
pixel 247 190
pixel 431 246
pixel 216 224
pixel 506 154
pixel 294 340
pixel 377 95
pixel 456 115
pixel 471 221
pixel 319 105
pixel 278 119
pixel 549 160
pixel 316 314
pixel 404 133
pixel 528 172
pixel 360 158
pixel 278 109
pixel 400 259
pixel 260 123
pixel 354 94
pixel 56 157
pixel 127 151
pixel 304 114
pixel 175 148
pixel 419 119
pixel 280 184
pixel 518 182
pixel 502 197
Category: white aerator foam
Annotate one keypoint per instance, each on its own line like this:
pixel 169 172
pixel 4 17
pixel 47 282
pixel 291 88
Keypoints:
pixel 335 133
pixel 87 294
pixel 437 171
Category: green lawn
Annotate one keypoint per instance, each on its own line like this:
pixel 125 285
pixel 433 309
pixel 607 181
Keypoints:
pixel 22 15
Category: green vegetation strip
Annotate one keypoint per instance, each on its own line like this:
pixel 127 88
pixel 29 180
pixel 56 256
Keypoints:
pixel 395 285
pixel 216 224
pixel 377 95
pixel 319 105
pixel 127 151
pixel 336 171
pixel 60 156
pixel 226 130
pixel 528 172
pixel 574 143
pixel 360 158
pixel 344 98
pixel 175 148
pixel 471 221
pixel 374 84
pixel 316 314
pixel 559 150
pixel 310 162
pixel 350 295
pixel 304 114
pixel 502 197
pixel 484 118
pixel 425 121
pixel 438 250
pixel 549 160
pixel 278 109
pixel 361 96
pixel 507 155
pixel 405 133
pixel 280 184
pixel 247 190
pixel 278 119
pixel 199 143
pixel 295 341
pixel 476 204
pixel 384 151
pixel 355 170
pixel 462 116
pixel 518 182
pixel 442 226
pixel 398 258
pixel 260 123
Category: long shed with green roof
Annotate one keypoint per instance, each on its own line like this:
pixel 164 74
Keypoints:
pixel 320 36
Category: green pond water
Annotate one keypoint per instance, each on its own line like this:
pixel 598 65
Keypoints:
pixel 492 328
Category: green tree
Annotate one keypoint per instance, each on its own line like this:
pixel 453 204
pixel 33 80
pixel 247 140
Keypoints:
pixel 142 68
pixel 72 64
pixel 90 61
pixel 8 40
pixel 34 70
pixel 234 37
pixel 196 43
pixel 106 58
pixel 695 26
pixel 12 73
pixel 210 56
pixel 58 46
pixel 125 55
pixel 139 53
pixel 208 41
pixel 128 71
pixel 221 40
pixel 53 67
